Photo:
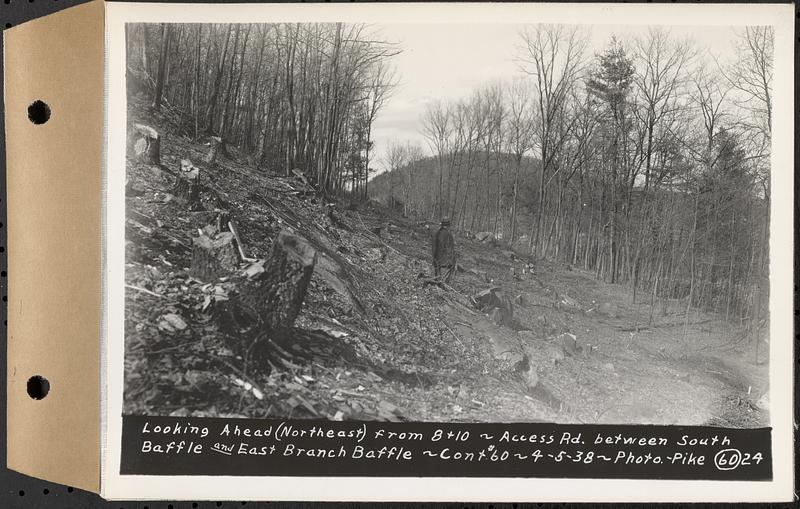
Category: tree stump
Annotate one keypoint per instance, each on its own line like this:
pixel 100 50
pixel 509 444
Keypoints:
pixel 217 147
pixel 146 144
pixel 223 218
pixel 213 257
pixel 274 297
pixel 187 188
pixel 497 305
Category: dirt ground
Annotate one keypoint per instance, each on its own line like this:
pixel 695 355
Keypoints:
pixel 376 340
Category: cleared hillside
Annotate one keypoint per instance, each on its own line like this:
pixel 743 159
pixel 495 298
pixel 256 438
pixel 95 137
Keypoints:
pixel 376 340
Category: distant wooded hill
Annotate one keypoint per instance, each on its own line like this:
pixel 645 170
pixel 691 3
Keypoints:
pixel 478 189
pixel 678 237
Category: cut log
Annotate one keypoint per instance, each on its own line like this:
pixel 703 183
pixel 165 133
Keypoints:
pixel 146 144
pixel 567 303
pixel 187 189
pixel 498 305
pixel 187 166
pixel 216 148
pixel 223 218
pixel 299 174
pixel 569 343
pixel 274 297
pixel 334 218
pixel 213 257
pixel 239 245
pixel 484 237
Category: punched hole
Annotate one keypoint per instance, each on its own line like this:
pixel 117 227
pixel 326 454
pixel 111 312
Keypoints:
pixel 38 387
pixel 38 112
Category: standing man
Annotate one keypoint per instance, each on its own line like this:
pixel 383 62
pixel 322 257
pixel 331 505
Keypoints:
pixel 444 251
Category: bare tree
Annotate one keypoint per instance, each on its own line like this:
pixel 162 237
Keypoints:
pixel 519 129
pixel 383 81
pixel 554 56
pixel 395 158
pixel 436 128
pixel 751 75
pixel 166 32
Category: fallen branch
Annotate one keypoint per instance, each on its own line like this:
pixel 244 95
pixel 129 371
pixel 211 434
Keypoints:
pixel 634 329
pixel 454 334
pixel 139 289
pixel 235 232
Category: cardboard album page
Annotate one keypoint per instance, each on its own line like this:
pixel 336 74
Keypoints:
pixel 416 252
pixel 54 78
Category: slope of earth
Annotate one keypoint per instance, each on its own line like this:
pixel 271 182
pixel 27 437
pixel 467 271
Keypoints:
pixel 376 340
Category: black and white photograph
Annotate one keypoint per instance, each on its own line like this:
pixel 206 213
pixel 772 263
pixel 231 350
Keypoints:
pixel 432 222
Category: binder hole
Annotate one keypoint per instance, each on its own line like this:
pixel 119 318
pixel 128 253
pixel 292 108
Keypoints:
pixel 8 25
pixel 46 491
pixel 38 387
pixel 70 489
pixel 3 273
pixel 21 493
pixel 38 112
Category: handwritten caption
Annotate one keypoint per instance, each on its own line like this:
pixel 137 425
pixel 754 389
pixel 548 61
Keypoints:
pixel 254 447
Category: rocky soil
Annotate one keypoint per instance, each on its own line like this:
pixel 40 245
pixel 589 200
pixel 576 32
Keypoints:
pixel 505 340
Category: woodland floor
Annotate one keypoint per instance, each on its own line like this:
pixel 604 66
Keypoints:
pixel 413 351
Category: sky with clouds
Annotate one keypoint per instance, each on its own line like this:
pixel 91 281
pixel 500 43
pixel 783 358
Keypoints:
pixel 449 61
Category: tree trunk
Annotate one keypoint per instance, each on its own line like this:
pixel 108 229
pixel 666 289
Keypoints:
pixel 212 102
pixel 217 147
pixel 162 66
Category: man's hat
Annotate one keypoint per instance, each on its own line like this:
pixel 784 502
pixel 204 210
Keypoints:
pixel 445 221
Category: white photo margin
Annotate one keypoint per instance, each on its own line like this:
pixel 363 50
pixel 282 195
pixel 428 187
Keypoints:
pixel 780 489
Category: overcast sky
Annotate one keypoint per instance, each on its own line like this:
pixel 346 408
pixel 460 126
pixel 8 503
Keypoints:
pixel 449 61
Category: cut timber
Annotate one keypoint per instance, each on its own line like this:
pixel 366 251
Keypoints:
pixel 216 148
pixel 186 165
pixel 239 245
pixel 187 188
pixel 213 257
pixel 274 297
pixel 333 217
pixel 223 218
pixel 146 144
